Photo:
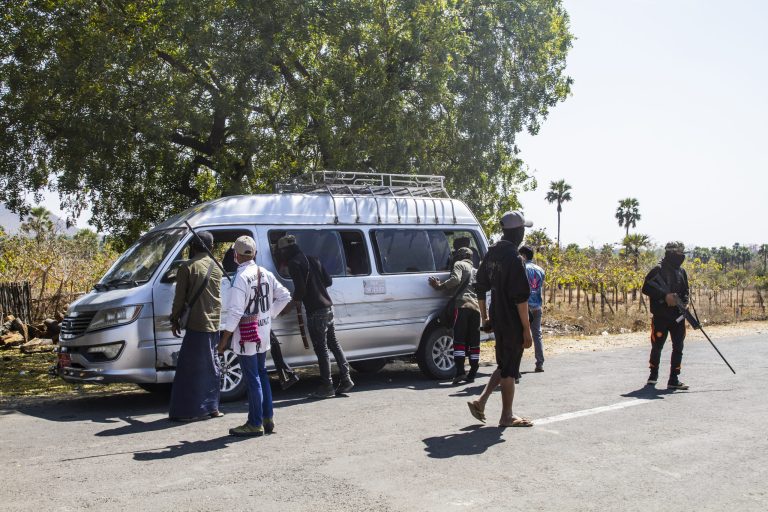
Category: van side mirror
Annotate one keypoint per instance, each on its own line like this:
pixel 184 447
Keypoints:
pixel 170 274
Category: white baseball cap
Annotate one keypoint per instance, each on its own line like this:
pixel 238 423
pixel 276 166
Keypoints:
pixel 514 219
pixel 245 246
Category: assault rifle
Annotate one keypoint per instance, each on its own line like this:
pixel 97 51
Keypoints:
pixel 658 284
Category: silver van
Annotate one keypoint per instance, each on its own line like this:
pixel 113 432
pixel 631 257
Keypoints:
pixel 379 236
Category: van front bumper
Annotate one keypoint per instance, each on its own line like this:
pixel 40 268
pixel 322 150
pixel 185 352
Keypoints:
pixel 135 363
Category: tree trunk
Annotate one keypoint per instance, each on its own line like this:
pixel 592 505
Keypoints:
pixel 602 301
pixel 578 297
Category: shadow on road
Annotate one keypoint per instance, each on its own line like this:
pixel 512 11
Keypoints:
pixel 124 409
pixel 469 391
pixel 473 440
pixel 649 392
pixel 187 448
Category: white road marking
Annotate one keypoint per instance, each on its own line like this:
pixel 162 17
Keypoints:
pixel 589 412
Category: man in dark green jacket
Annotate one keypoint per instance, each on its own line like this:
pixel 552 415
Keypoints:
pixel 195 392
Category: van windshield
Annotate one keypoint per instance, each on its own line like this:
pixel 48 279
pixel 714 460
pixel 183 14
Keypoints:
pixel 138 264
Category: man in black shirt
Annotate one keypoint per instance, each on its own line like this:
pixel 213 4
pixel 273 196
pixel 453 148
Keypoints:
pixel 503 274
pixel 310 280
pixel 665 285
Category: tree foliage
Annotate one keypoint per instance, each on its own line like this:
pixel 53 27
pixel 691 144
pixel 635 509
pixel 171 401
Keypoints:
pixel 140 108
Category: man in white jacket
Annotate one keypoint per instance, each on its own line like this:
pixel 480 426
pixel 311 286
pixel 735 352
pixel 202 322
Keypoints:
pixel 259 297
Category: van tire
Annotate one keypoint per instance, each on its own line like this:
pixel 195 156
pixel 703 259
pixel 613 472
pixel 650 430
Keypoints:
pixel 435 355
pixel 368 365
pixel 233 386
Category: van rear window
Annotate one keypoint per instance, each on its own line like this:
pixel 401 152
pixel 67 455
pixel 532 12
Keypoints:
pixel 401 251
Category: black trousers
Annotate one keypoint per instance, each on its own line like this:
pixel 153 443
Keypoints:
pixel 466 340
pixel 660 328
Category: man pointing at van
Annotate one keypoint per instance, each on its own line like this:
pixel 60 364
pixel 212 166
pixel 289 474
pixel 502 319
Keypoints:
pixel 310 280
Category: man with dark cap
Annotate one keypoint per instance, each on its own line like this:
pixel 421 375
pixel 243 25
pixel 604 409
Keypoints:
pixel 197 309
pixel 503 274
pixel 465 241
pixel 666 286
pixel 310 283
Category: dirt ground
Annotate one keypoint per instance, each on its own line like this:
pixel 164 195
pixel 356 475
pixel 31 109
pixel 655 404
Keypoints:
pixel 26 376
pixel 578 343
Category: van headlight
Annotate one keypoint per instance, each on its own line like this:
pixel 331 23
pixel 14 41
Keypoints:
pixel 112 317
pixel 105 352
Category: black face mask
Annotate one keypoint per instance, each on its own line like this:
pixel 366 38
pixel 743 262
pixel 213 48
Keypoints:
pixel 515 236
pixel 674 259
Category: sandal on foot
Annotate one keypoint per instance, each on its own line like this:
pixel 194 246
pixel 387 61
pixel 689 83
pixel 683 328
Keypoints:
pixel 517 422
pixel 216 414
pixel 476 412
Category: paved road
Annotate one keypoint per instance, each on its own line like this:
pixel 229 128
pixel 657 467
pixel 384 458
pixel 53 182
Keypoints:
pixel 403 443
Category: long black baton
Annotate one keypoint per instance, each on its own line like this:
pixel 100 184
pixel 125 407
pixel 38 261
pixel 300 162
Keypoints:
pixel 693 318
pixel 716 350
pixel 709 340
pixel 202 244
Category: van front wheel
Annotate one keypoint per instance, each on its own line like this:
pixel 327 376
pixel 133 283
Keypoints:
pixel 232 379
pixel 435 356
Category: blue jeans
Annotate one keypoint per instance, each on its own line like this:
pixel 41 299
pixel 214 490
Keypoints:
pixel 538 346
pixel 323 336
pixel 259 393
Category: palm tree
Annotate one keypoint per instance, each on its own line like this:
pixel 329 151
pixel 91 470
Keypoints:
pixel 558 192
pixel 38 222
pixel 633 244
pixel 763 252
pixel 628 213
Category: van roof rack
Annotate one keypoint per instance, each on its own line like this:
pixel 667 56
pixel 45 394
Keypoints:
pixel 344 183
pixel 370 184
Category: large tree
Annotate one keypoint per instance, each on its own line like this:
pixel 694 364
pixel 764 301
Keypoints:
pixel 140 108
pixel 559 192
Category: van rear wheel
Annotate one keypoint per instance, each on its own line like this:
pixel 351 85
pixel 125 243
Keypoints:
pixel 232 379
pixel 435 355
pixel 369 365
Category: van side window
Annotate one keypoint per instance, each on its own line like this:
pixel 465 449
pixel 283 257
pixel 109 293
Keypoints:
pixel 324 244
pixel 355 253
pixel 441 249
pixel 403 251
pixel 465 238
pixel 223 251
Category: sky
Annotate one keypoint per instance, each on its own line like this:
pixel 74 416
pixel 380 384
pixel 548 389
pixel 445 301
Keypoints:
pixel 669 106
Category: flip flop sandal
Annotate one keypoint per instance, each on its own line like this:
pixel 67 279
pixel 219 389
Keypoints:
pixel 476 412
pixel 519 422
pixel 216 414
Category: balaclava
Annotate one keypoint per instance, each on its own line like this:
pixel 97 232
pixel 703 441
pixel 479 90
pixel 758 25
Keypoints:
pixel 514 235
